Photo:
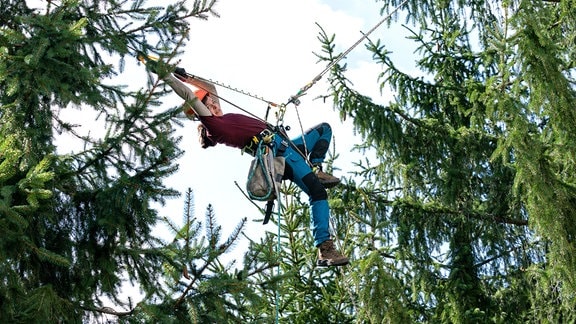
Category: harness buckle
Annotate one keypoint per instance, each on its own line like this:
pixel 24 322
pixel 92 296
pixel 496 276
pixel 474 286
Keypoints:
pixel 266 136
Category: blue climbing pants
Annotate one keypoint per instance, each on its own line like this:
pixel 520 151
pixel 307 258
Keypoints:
pixel 315 142
pixel 298 171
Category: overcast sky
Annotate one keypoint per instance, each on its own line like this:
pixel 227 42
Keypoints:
pixel 267 48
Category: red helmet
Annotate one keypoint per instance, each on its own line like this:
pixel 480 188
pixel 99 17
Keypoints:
pixel 201 94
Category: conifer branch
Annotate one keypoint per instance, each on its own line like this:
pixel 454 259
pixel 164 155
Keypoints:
pixel 381 253
pixel 233 237
pixel 435 209
pixel 197 275
pixel 478 265
pixel 108 310
pixel 263 268
pixel 250 200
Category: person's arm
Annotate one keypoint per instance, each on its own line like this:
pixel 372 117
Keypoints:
pixel 200 84
pixel 188 95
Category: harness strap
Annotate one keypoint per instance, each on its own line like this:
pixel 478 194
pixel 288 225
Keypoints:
pixel 287 142
pixel 283 146
pixel 264 137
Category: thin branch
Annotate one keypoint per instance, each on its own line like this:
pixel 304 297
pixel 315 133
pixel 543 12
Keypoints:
pixel 197 275
pixel 250 200
pixel 502 254
pixel 108 310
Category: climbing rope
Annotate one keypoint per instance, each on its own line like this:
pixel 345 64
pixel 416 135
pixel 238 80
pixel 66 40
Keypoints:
pixel 294 99
pixel 278 248
pixel 303 135
pixel 270 103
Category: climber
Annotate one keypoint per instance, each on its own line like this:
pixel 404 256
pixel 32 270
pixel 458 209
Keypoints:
pixel 238 130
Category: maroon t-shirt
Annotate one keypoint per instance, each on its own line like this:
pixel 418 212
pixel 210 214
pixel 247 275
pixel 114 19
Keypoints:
pixel 234 130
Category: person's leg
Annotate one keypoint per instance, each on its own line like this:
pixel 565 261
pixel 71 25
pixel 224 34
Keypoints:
pixel 300 173
pixel 303 176
pixel 317 141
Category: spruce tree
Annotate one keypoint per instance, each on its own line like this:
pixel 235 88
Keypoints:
pixel 74 223
pixel 284 270
pixel 198 285
pixel 470 205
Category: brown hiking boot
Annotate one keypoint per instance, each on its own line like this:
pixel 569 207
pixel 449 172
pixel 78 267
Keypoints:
pixel 328 256
pixel 327 180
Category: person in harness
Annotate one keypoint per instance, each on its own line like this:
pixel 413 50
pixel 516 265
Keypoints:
pixel 240 131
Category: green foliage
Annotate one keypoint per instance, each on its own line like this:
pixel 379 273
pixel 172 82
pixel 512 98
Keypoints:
pixel 75 221
pixel 270 284
pixel 466 216
pixel 383 296
pixel 472 196
pixel 197 286
pixel 302 292
pixel 25 196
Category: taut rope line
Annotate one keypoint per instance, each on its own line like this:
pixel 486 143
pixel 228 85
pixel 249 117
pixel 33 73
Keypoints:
pixel 302 91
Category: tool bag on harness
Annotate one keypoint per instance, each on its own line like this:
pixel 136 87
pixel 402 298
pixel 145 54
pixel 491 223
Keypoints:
pixel 265 175
pixel 266 171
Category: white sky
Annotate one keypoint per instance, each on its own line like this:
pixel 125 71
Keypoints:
pixel 266 48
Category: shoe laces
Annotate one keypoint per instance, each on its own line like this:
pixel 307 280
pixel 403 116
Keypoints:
pixel 329 248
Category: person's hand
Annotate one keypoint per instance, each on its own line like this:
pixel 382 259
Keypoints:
pixel 203 138
pixel 181 73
